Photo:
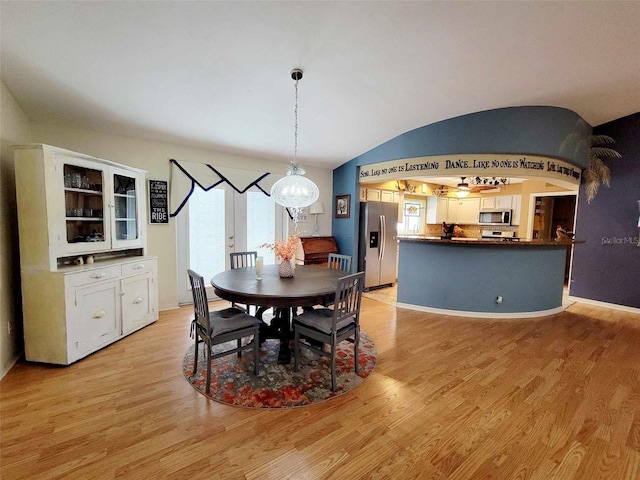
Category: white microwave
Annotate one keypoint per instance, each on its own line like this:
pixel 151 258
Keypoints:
pixel 494 217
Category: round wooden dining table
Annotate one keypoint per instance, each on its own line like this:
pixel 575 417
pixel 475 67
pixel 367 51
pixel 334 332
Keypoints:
pixel 310 285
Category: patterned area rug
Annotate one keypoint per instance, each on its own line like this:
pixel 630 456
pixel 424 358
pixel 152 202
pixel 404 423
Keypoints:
pixel 279 386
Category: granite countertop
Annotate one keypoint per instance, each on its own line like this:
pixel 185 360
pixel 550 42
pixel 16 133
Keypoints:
pixel 484 241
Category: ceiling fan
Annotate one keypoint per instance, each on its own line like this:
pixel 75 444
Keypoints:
pixel 479 184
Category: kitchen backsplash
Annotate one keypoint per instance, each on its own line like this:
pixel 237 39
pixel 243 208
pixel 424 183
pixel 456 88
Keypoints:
pixel 470 231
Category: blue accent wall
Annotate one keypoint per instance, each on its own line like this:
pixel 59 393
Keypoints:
pixel 537 130
pixel 607 267
pixel 469 278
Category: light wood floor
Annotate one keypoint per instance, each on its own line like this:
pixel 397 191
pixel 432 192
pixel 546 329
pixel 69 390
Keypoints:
pixel 451 398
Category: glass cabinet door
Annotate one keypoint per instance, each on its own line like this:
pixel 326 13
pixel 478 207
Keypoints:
pixel 126 191
pixel 84 205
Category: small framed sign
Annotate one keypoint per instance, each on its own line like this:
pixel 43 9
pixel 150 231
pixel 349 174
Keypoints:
pixel 343 206
pixel 158 201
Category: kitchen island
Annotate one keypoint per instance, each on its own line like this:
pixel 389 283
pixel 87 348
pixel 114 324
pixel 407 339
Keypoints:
pixel 481 278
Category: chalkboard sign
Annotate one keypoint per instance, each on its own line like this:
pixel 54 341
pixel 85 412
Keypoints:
pixel 158 202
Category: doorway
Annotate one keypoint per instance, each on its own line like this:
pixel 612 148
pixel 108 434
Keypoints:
pixel 552 212
pixel 220 221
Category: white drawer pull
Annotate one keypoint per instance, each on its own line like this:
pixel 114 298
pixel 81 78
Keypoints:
pixel 99 314
pixel 97 275
pixel 138 300
pixel 138 266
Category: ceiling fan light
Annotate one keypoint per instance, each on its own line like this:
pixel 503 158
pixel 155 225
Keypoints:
pixel 462 193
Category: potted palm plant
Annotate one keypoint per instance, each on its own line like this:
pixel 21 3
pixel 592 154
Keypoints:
pixel 597 172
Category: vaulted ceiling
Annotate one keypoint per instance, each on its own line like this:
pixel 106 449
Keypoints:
pixel 217 74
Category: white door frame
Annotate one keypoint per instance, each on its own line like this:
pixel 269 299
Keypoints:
pixel 235 226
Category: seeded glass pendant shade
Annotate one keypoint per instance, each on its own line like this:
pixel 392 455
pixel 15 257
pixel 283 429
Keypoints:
pixel 295 191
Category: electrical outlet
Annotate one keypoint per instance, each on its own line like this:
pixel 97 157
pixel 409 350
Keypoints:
pixel 499 300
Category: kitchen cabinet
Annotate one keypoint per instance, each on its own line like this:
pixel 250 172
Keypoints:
pixel 503 202
pixel 452 210
pixel 488 203
pixel 378 195
pixel 86 278
pixel 398 197
pixel 388 196
pixel 468 209
pixel 437 208
pixel 499 202
pixel 373 195
pixel 516 201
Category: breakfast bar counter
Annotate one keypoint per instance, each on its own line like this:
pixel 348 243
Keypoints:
pixel 481 278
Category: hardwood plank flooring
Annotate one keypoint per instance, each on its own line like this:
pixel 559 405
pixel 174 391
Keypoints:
pixel 451 398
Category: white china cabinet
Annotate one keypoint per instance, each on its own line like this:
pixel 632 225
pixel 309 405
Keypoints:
pixel 86 279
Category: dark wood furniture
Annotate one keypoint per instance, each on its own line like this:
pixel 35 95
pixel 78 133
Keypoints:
pixel 332 326
pixel 315 250
pixel 311 285
pixel 219 327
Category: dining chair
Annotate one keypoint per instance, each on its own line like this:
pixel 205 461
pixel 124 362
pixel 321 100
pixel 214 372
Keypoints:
pixel 218 327
pixel 242 260
pixel 339 262
pixel 332 326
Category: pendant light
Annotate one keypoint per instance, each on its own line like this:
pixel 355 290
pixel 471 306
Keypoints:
pixel 294 191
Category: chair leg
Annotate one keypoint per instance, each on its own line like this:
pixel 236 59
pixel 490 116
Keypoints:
pixel 296 349
pixel 239 345
pixel 195 357
pixel 356 344
pixel 208 386
pixel 256 351
pixel 333 365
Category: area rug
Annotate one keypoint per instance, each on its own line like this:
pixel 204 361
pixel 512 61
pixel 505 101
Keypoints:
pixel 279 386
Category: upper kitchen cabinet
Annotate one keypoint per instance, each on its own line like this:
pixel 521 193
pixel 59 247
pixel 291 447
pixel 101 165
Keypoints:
pixel 468 209
pixel 378 195
pixel 453 210
pixel 73 204
pixel 516 202
pixel 500 202
pixel 504 202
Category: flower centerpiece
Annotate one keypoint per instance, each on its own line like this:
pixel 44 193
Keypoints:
pixel 286 250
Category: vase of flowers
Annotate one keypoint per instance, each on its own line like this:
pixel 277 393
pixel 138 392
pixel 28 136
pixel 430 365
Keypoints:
pixel 286 250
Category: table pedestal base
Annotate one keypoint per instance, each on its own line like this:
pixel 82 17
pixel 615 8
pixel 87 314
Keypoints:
pixel 280 328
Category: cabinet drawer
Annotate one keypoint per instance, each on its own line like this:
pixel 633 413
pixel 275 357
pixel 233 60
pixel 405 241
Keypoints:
pixel 139 266
pixel 93 276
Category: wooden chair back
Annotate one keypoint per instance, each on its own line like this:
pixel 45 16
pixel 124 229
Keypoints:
pixel 200 301
pixel 346 308
pixel 339 262
pixel 243 259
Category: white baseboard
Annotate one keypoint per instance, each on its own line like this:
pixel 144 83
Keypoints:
pixel 162 308
pixel 462 313
pixel 9 367
pixel 612 306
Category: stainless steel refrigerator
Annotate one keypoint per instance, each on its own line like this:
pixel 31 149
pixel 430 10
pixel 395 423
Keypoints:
pixel 378 245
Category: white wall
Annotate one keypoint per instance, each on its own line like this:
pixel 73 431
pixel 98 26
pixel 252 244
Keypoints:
pixel 154 157
pixel 15 128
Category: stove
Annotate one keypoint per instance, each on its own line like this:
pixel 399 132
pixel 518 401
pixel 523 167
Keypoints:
pixel 499 235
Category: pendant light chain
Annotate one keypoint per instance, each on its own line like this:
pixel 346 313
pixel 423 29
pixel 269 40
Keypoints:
pixel 295 128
